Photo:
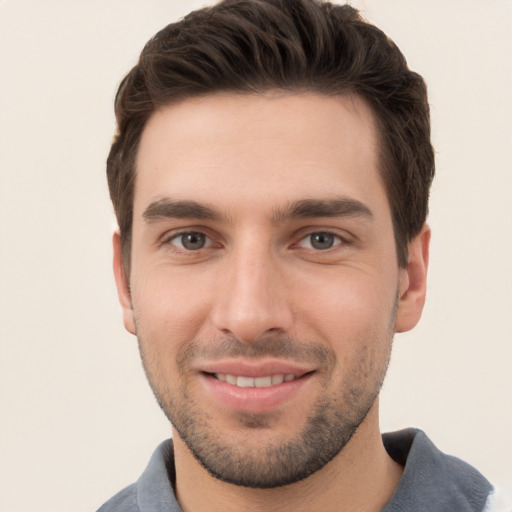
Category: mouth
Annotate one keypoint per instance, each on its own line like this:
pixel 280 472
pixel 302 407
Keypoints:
pixel 255 382
pixel 255 388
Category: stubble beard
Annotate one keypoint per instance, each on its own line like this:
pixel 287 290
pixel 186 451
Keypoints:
pixel 327 430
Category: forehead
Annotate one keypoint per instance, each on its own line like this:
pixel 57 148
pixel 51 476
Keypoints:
pixel 271 147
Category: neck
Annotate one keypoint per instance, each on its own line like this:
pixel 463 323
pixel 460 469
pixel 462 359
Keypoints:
pixel 362 477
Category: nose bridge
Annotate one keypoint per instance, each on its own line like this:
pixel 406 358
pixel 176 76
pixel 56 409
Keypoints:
pixel 252 298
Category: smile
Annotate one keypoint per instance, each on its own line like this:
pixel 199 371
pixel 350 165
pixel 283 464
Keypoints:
pixel 254 389
pixel 254 382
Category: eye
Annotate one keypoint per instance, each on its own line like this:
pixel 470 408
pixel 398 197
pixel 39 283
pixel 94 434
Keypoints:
pixel 191 241
pixel 320 241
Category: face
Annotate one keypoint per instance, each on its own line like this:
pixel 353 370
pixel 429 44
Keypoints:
pixel 264 287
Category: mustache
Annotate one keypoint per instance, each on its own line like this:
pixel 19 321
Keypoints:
pixel 279 347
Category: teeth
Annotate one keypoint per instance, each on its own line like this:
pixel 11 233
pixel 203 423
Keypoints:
pixel 277 379
pixel 245 382
pixel 262 382
pixel 257 382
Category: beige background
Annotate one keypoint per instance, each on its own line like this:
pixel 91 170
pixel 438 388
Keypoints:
pixel 78 421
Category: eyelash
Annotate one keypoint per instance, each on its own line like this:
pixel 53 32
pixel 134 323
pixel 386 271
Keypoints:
pixel 169 240
pixel 337 241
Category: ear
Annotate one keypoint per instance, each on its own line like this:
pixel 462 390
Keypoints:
pixel 123 286
pixel 413 282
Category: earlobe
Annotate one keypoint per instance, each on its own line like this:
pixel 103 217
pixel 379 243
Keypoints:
pixel 123 286
pixel 413 282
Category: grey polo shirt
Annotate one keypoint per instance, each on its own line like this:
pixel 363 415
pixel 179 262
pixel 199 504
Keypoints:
pixel 432 481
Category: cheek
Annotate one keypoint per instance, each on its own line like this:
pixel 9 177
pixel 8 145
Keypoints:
pixel 348 303
pixel 169 306
pixel 354 315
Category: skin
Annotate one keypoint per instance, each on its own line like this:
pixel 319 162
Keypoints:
pixel 262 292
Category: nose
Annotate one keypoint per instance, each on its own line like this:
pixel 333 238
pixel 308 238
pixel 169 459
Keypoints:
pixel 253 298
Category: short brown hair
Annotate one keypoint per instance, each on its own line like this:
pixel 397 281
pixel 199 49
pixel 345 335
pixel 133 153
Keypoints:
pixel 252 46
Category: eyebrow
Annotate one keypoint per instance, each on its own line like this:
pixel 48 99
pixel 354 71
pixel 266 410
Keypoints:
pixel 168 209
pixel 303 209
pixel 312 208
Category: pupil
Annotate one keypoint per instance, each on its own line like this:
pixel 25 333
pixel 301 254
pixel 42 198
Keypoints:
pixel 193 241
pixel 322 240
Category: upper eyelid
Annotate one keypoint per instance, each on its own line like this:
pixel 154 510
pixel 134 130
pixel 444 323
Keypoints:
pixel 167 240
pixel 174 233
pixel 310 230
pixel 295 238
pixel 342 240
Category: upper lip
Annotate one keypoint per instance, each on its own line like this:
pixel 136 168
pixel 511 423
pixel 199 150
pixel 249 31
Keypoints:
pixel 256 368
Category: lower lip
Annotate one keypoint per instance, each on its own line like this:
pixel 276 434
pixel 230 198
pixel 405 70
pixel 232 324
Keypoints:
pixel 254 400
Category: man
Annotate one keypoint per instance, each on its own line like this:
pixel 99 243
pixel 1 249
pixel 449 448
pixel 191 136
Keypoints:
pixel 270 177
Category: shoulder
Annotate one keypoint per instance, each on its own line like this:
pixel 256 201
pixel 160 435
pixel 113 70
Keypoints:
pixel 433 481
pixel 154 488
pixel 123 501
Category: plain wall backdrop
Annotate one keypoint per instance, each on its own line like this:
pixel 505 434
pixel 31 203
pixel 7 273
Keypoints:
pixel 77 418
